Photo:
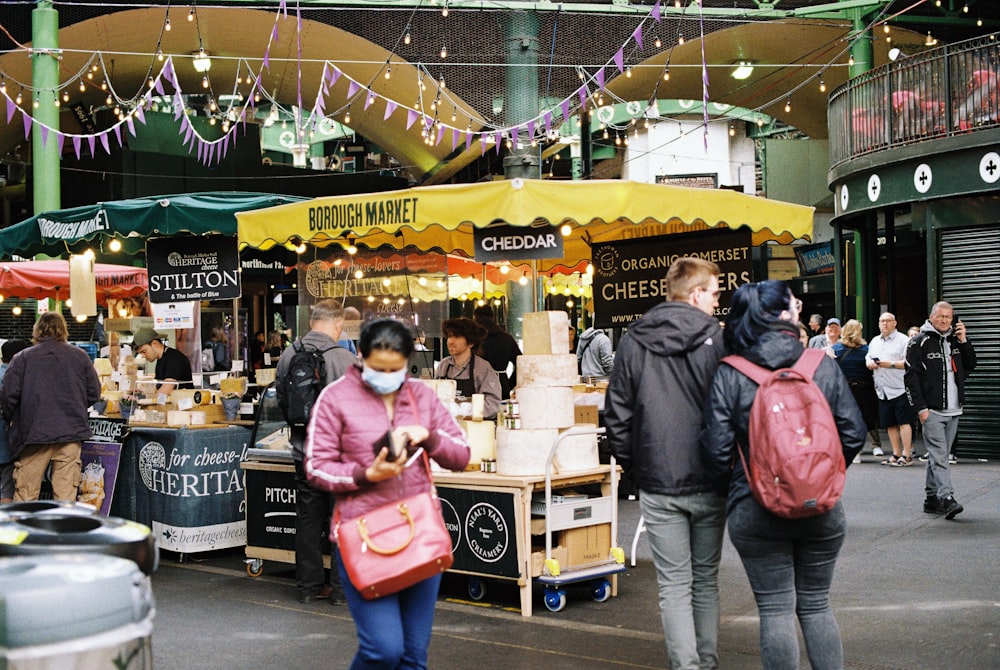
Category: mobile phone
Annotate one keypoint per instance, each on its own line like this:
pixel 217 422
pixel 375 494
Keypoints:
pixel 954 319
pixel 396 448
pixel 875 361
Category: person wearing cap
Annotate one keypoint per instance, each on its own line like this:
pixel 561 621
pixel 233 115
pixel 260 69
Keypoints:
pixel 46 391
pixel 829 337
pixel 173 369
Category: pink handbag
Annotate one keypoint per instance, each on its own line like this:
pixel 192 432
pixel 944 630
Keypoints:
pixel 394 546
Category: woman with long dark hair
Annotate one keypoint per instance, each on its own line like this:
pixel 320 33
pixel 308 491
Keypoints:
pixel 350 417
pixel 789 562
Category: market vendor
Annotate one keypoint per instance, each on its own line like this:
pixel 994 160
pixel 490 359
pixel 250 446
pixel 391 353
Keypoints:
pixel 173 369
pixel 472 373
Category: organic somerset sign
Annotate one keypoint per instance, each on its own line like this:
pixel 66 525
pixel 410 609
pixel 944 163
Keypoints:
pixel 630 277
pixel 193 268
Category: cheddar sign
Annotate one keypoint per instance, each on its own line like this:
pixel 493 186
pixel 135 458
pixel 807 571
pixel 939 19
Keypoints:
pixel 514 243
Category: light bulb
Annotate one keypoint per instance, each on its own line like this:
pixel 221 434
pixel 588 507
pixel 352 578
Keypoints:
pixel 628 72
pixel 211 104
pixel 108 100
pixel 885 28
pixel 565 230
pixel 90 76
pixel 65 96
pixel 680 38
pixel 441 83
pixel 83 87
pixel 605 133
pixel 351 249
pixel 822 86
pixel 850 60
pixel 388 72
pixel 666 74
pixel 732 130
pixel 115 245
pixel 256 96
pixel 104 85
pixel 658 43
pixel 204 81
pixel 358 274
pixel 159 55
pixel 166 24
pixel 16 311
pixel 788 105
pixel 760 121
pixel 347 115
pixel 56 102
pixel 444 52
pixel 35 103
pixel 406 38
pixel 618 140
pixel 211 121
pixel 149 82
pixel 191 15
pixel 444 11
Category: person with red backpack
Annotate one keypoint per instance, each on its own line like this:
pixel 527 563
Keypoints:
pixel 783 462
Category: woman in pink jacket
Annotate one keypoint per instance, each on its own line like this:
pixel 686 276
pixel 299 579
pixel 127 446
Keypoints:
pixel 350 416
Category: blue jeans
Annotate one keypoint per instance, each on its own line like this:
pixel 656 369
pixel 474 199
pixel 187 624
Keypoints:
pixel 393 631
pixel 790 564
pixel 685 534
pixel 939 435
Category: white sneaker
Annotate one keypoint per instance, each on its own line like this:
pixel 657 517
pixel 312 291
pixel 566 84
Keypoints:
pixel 857 459
pixel 952 460
pixel 877 451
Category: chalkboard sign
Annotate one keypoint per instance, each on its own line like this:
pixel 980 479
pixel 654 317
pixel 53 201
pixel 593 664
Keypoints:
pixel 483 532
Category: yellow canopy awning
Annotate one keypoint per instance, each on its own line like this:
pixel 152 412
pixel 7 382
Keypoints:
pixel 441 218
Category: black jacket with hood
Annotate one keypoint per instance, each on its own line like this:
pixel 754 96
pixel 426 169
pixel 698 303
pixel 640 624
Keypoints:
pixel 727 414
pixel 656 395
pixel 926 376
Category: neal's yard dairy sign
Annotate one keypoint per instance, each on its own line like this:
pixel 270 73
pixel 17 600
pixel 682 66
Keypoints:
pixel 630 276
pixel 193 268
pixel 512 243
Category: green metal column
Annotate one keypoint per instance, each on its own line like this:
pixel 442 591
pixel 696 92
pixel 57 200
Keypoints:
pixel 45 78
pixel 521 38
pixel 863 55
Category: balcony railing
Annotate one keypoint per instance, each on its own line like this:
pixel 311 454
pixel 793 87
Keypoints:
pixel 939 93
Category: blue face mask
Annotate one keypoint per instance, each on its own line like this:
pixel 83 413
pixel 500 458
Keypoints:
pixel 383 383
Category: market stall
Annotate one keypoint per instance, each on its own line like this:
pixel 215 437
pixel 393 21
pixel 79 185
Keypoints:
pixel 444 218
pixel 51 279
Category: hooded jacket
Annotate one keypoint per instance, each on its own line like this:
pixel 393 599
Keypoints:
pixel 656 395
pixel 350 417
pixel 593 352
pixel 727 414
pixel 926 376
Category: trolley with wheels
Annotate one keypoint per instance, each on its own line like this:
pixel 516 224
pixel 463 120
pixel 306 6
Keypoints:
pixel 580 513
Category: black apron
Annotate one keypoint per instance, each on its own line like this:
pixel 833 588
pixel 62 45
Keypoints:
pixel 465 387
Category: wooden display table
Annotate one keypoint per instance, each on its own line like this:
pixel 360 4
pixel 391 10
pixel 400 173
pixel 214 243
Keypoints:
pixel 489 517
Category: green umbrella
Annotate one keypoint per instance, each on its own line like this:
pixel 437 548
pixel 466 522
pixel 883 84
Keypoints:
pixel 132 222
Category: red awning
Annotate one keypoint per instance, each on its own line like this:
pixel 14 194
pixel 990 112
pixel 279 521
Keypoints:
pixel 50 279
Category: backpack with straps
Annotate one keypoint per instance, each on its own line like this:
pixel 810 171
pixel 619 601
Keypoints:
pixel 796 465
pixel 302 383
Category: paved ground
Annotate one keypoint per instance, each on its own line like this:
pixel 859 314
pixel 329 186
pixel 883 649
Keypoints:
pixel 912 592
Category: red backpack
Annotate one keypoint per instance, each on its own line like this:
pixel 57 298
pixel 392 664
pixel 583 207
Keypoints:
pixel 796 465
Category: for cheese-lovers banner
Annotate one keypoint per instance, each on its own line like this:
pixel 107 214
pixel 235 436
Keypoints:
pixel 442 217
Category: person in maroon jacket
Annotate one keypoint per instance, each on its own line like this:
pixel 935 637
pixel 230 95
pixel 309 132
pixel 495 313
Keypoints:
pixel 349 418
pixel 46 392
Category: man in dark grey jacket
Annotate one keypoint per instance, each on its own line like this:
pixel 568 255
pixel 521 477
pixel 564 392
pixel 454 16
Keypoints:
pixel 46 392
pixel 938 359
pixel 653 410
pixel 312 506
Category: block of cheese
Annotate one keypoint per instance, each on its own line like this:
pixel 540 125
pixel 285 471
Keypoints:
pixel 178 418
pixel 197 418
pixel 482 440
pixel 546 406
pixel 577 452
pixel 547 370
pixel 445 389
pixel 546 333
pixel 523 452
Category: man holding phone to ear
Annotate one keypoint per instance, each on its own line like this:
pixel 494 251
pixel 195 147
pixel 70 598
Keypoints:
pixel 938 360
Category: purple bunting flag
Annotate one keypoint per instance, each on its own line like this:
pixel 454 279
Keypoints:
pixel 369 99
pixel 516 134
pixel 140 114
pixel 91 141
pixel 548 122
pixel 411 117
pixel 118 133
pixel 45 134
pixel 60 139
pixel 27 124
pixel 10 110
pixel 106 143
pixel 599 78
pixel 582 94
pixel 455 134
pixel 619 58
pixel 565 109
pixel 130 120
pixel 76 145
pixel 335 75
pixel 637 35
pixel 498 139
pixel 390 107
pixel 158 86
pixel 655 12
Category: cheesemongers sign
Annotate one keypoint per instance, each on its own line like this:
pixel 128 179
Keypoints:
pixel 630 276
pixel 193 267
pixel 510 243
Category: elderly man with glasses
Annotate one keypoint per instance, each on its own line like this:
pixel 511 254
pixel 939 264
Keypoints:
pixel 887 360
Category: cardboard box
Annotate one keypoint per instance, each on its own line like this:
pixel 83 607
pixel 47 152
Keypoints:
pixel 538 559
pixel 585 414
pixel 587 545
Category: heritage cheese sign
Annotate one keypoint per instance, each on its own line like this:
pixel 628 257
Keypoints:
pixel 193 267
pixel 630 276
